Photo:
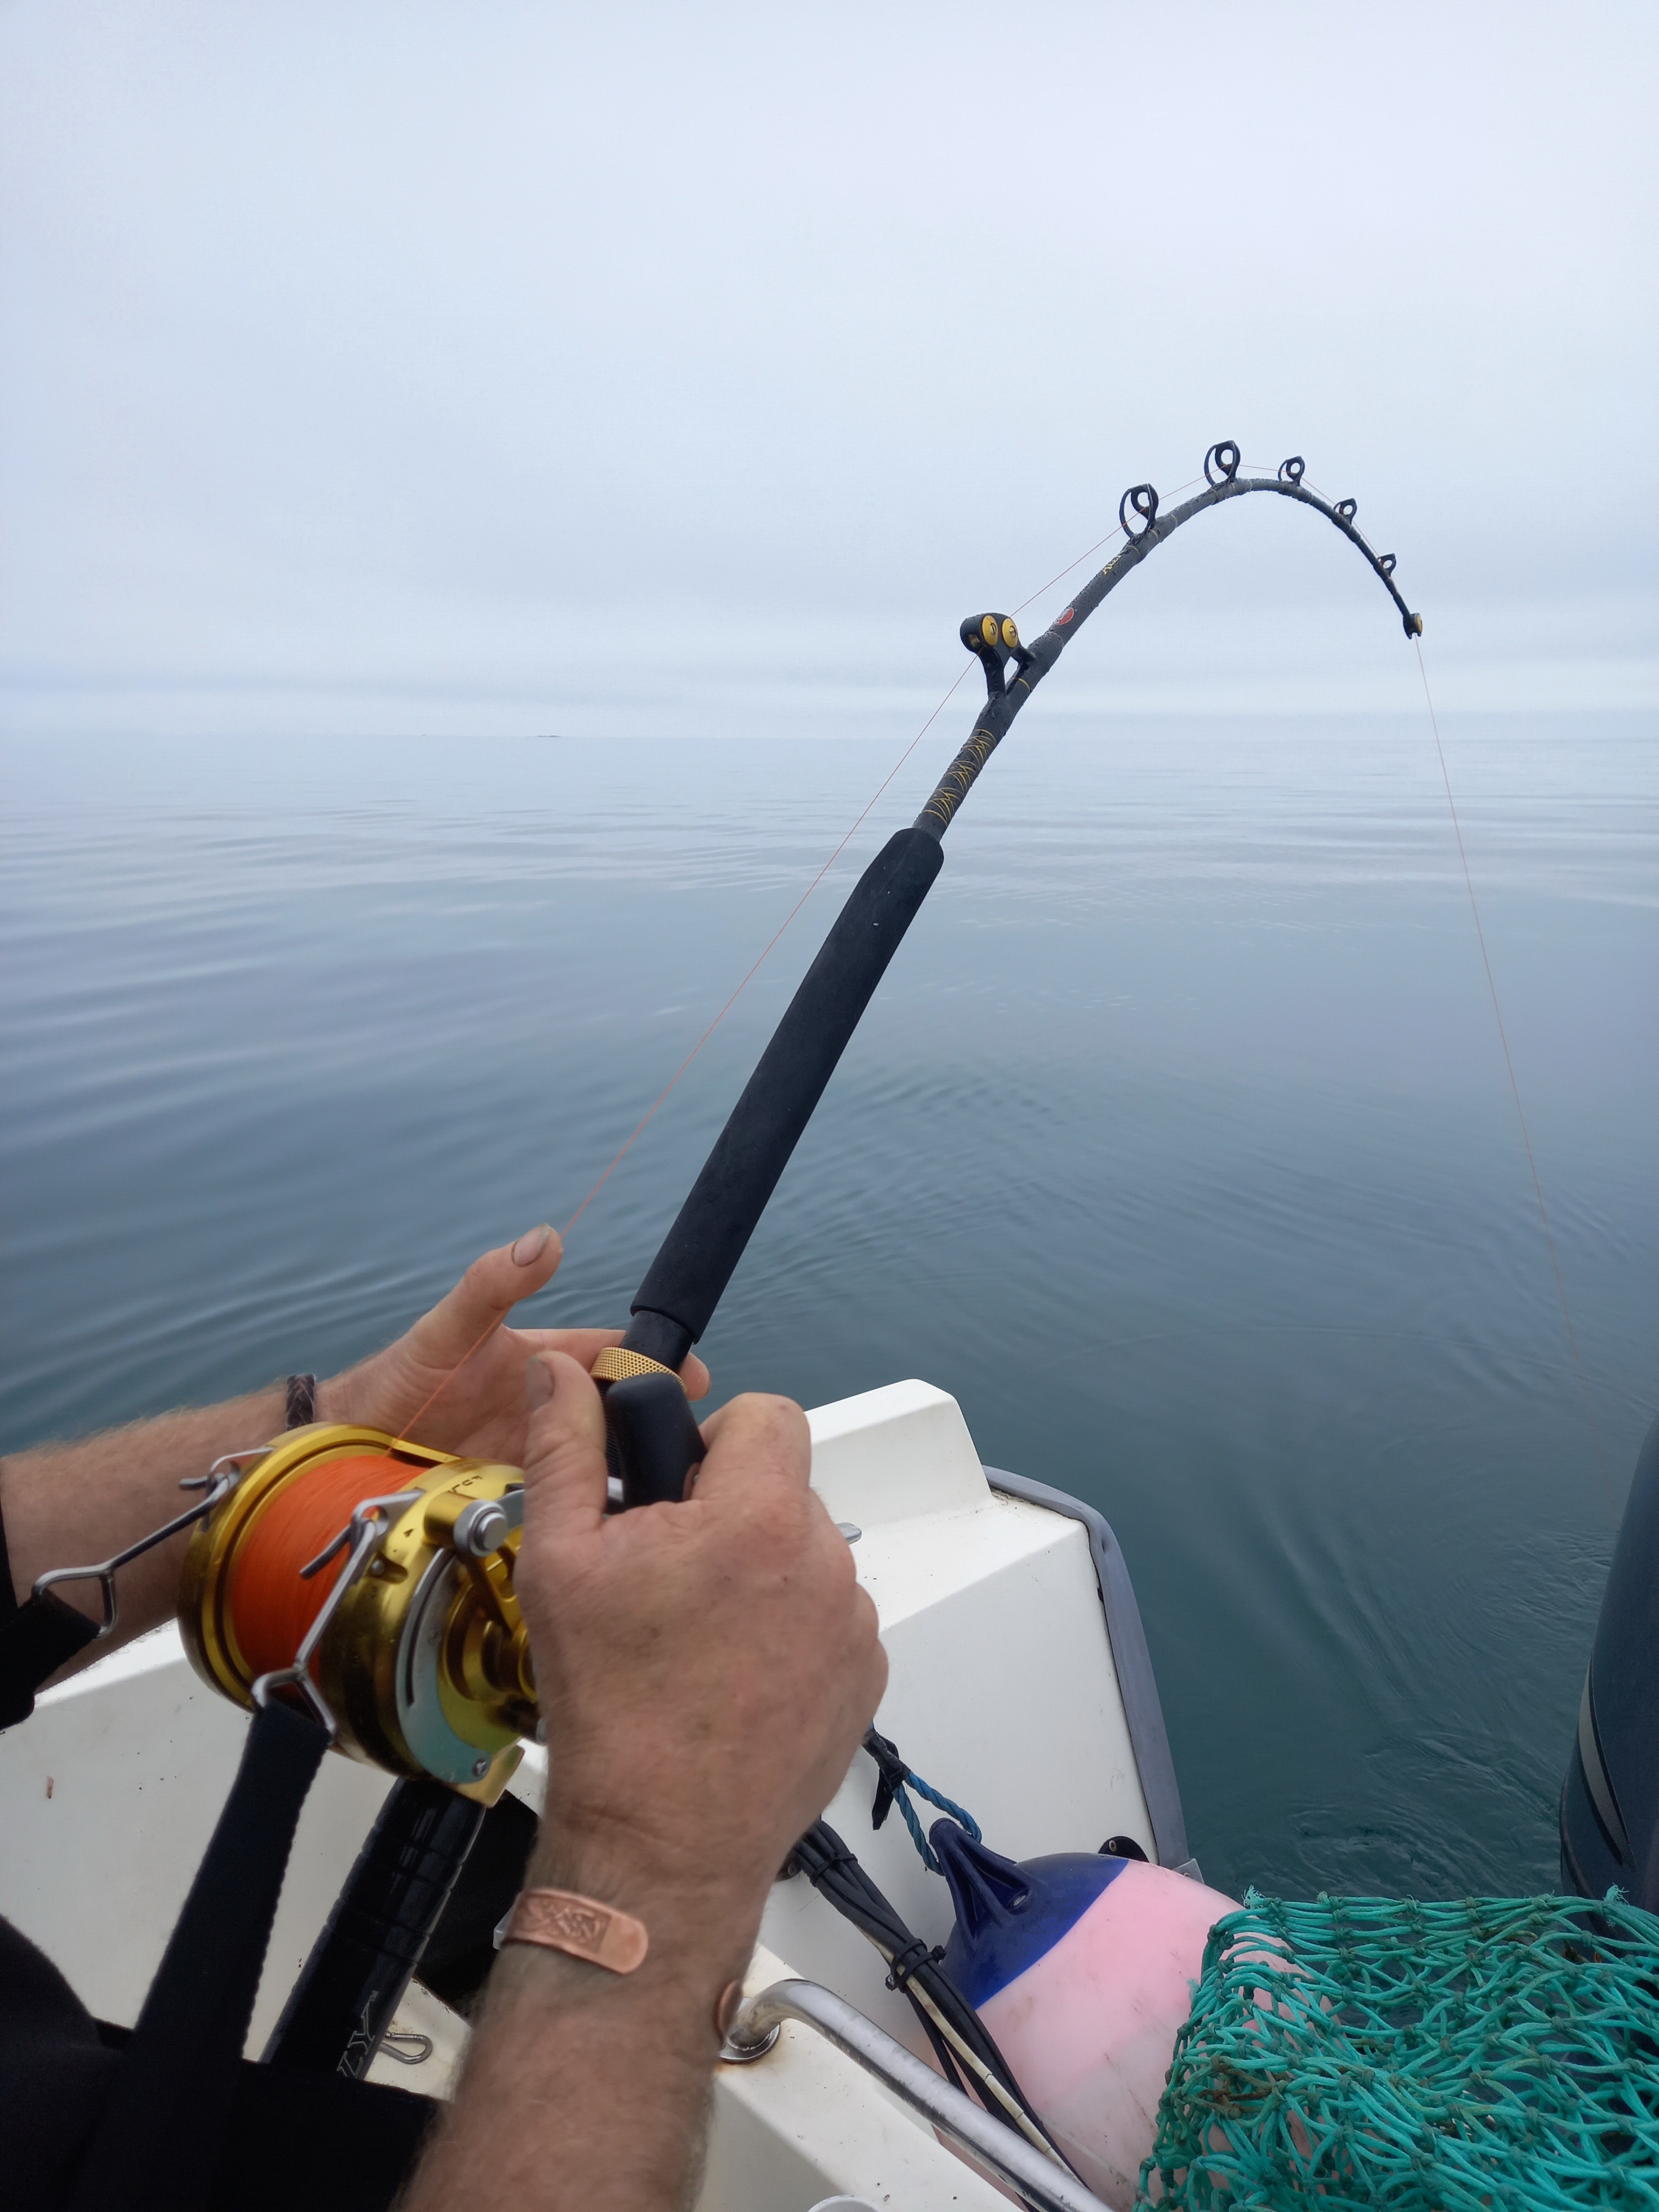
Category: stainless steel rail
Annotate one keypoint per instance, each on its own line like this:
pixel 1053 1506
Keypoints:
pixel 1042 2184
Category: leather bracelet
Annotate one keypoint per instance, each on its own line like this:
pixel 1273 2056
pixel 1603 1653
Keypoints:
pixel 581 1926
pixel 302 1402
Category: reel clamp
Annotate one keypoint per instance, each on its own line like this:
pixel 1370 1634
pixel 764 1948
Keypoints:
pixel 995 640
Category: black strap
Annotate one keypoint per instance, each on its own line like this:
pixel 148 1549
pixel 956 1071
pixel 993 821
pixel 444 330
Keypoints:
pixel 162 2133
pixel 891 1769
pixel 36 1638
pixel 313 2140
pixel 184 2123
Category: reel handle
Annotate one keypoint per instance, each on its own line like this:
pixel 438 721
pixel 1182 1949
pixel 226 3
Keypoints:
pixel 654 1438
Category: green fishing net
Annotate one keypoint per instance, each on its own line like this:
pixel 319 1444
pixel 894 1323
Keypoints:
pixel 1492 2055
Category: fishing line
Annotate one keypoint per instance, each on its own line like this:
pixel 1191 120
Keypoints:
pixel 772 941
pixel 999 639
pixel 1514 1089
pixel 1116 531
pixel 268 1605
pixel 1070 565
pixel 1087 555
pixel 427 1404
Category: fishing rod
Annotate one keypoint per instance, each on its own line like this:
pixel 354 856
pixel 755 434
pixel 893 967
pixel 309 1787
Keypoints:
pixel 654 1441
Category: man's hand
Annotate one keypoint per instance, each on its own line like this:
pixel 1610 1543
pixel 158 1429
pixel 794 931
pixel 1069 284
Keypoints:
pixel 455 1380
pixel 705 1671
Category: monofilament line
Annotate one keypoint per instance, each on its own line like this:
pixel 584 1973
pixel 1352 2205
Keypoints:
pixel 1514 1089
pixel 778 934
pixel 772 941
pixel 765 950
pixel 428 1403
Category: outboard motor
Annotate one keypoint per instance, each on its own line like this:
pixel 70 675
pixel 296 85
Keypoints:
pixel 1610 1800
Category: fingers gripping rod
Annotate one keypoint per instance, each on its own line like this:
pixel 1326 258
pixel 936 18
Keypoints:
pixel 654 1439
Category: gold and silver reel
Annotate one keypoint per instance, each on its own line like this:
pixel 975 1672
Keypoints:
pixel 372 1580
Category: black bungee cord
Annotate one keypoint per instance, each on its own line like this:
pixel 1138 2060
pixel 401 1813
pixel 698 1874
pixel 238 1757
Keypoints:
pixel 967 2053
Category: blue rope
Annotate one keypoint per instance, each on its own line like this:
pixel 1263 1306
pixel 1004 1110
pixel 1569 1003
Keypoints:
pixel 890 1790
pixel 897 1788
pixel 913 1819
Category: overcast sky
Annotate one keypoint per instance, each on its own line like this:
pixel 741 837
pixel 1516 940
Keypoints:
pixel 628 369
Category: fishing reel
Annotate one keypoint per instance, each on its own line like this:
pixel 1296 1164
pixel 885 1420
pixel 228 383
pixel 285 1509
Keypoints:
pixel 371 1580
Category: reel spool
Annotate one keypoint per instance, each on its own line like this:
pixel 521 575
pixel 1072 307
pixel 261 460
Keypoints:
pixel 422 1660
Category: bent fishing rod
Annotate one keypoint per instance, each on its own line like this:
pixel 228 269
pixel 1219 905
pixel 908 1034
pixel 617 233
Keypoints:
pixel 654 1440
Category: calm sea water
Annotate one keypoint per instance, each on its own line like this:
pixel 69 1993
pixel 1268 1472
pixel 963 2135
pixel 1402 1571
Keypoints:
pixel 1178 1144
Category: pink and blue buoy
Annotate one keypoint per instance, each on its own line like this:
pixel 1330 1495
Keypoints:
pixel 1081 1966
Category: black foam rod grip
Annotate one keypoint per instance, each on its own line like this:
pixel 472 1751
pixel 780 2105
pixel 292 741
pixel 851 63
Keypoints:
pixel 362 1964
pixel 684 1282
pixel 656 1436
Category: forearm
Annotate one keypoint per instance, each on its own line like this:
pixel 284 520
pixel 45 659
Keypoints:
pixel 455 1380
pixel 585 2089
pixel 72 1506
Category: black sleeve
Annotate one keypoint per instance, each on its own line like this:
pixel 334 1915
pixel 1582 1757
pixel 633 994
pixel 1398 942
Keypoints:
pixel 321 2141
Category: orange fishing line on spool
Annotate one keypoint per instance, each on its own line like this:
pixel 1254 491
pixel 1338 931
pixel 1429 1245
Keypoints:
pixel 269 1605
